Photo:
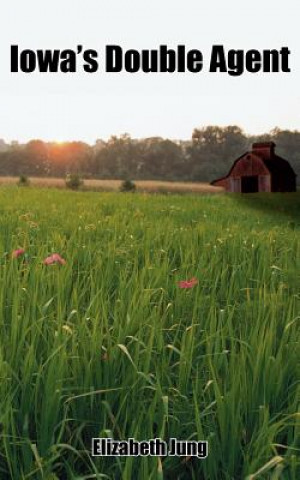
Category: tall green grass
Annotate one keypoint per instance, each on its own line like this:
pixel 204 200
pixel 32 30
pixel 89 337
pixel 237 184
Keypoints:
pixel 109 345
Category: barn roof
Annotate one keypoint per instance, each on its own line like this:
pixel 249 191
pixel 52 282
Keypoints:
pixel 278 165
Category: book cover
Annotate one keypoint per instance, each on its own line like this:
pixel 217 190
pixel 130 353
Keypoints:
pixel 149 240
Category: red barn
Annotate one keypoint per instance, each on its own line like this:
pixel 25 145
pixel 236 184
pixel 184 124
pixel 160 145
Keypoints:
pixel 260 170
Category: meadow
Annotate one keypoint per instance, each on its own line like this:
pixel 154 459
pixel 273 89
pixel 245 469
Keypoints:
pixel 100 185
pixel 109 344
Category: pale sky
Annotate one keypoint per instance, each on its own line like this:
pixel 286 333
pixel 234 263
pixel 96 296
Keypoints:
pixel 81 106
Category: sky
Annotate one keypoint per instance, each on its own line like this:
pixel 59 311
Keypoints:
pixel 83 106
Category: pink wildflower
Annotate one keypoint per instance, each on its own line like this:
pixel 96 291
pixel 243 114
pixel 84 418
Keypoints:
pixel 188 283
pixel 17 253
pixel 54 258
pixel 104 357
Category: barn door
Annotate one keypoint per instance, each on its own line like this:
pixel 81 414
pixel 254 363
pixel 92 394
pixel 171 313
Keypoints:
pixel 250 184
pixel 264 183
pixel 234 184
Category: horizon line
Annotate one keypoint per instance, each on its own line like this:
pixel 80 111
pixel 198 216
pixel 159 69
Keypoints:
pixel 271 132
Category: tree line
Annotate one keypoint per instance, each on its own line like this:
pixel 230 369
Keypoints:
pixel 206 156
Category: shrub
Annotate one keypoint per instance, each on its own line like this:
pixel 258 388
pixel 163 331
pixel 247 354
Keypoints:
pixel 74 181
pixel 23 181
pixel 128 186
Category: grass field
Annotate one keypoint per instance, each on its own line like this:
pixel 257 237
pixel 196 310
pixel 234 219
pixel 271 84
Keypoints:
pixel 109 345
pixel 147 186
